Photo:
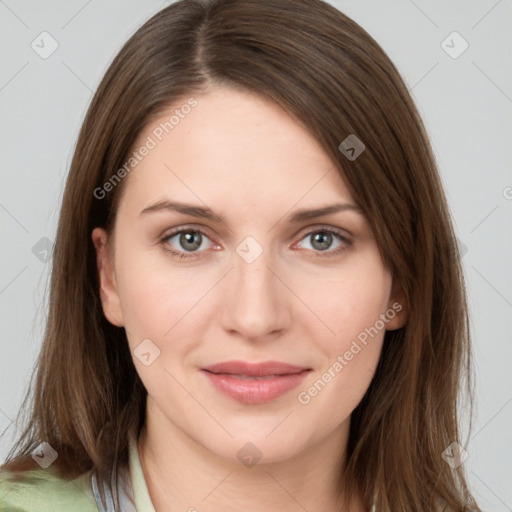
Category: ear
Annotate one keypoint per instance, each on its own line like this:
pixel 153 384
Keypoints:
pixel 397 304
pixel 107 279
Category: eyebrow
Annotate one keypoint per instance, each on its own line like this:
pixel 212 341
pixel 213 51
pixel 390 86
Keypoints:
pixel 187 209
pixel 308 214
pixel 207 213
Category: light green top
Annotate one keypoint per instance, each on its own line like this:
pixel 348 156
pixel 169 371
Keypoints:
pixel 41 490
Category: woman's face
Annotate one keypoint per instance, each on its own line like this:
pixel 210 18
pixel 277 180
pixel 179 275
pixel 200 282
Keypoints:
pixel 256 276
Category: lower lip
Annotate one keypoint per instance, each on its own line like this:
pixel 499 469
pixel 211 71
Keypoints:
pixel 252 391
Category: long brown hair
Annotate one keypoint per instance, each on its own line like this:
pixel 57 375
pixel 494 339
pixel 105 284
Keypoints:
pixel 328 73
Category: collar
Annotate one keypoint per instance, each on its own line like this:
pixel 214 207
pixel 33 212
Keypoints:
pixel 139 488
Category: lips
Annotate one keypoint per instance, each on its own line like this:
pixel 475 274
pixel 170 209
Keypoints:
pixel 263 369
pixel 255 383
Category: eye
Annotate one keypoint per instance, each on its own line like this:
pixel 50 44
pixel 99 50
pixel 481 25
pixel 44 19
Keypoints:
pixel 321 241
pixel 185 242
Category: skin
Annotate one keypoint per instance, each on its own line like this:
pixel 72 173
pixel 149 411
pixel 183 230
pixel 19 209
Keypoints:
pixel 250 162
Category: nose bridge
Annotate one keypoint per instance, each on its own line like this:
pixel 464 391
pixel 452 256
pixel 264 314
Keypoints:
pixel 253 278
pixel 256 304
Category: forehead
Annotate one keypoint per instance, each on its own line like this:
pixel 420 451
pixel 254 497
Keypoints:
pixel 232 147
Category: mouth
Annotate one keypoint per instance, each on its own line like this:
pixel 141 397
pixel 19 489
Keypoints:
pixel 255 383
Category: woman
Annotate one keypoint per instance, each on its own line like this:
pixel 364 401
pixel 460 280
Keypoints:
pixel 256 300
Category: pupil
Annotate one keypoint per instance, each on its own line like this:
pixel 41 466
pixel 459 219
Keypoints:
pixel 322 241
pixel 188 238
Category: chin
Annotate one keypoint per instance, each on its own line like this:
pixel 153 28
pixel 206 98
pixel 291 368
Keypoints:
pixel 251 446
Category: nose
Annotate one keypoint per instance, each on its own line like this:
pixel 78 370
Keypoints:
pixel 257 304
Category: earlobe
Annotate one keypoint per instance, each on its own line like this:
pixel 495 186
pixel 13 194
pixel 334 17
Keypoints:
pixel 107 282
pixel 398 311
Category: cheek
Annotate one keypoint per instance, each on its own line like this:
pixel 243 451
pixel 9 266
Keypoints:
pixel 361 303
pixel 348 363
pixel 349 337
pixel 159 304
pixel 347 300
pixel 154 294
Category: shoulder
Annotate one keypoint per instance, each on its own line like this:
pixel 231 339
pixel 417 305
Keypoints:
pixel 41 490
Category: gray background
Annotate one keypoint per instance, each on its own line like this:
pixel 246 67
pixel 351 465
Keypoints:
pixel 466 103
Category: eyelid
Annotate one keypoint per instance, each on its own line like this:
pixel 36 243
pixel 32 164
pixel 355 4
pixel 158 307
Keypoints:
pixel 185 227
pixel 342 233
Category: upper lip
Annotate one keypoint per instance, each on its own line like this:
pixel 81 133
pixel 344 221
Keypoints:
pixel 255 369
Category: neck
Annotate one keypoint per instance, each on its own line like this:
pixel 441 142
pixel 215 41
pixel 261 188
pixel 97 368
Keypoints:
pixel 183 475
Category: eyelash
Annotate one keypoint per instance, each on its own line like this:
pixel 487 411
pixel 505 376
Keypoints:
pixel 328 253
